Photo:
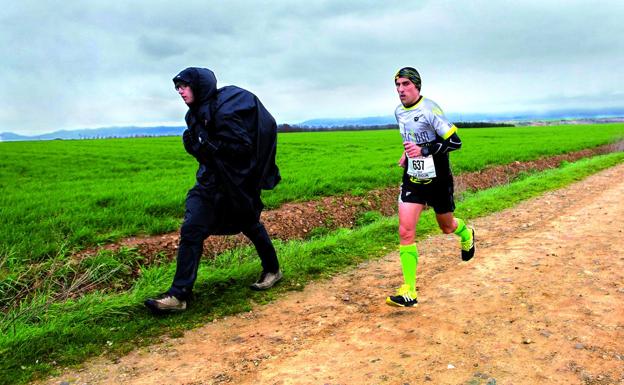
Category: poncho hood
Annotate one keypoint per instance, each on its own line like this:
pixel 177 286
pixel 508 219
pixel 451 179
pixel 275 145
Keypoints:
pixel 203 82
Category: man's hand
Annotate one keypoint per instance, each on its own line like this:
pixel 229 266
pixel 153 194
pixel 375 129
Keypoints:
pixel 189 141
pixel 206 147
pixel 412 149
pixel 403 160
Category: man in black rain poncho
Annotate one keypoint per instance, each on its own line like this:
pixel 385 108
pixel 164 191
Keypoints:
pixel 234 139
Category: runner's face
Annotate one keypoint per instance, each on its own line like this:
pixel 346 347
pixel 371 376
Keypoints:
pixel 408 93
pixel 186 93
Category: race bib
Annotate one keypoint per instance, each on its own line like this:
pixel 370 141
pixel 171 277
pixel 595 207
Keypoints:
pixel 421 167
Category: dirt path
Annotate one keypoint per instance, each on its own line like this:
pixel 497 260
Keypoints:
pixel 541 303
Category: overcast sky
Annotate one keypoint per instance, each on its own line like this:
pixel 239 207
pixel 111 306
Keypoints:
pixel 84 64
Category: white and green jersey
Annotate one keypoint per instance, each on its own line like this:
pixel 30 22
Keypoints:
pixel 424 124
pixel 421 122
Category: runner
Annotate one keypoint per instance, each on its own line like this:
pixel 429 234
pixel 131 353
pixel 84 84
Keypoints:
pixel 428 137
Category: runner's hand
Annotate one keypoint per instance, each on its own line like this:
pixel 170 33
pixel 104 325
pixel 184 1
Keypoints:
pixel 403 160
pixel 412 149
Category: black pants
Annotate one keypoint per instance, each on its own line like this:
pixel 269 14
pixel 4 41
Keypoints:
pixel 203 217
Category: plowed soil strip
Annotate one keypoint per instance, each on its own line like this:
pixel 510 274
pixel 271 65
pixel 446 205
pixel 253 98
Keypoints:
pixel 298 220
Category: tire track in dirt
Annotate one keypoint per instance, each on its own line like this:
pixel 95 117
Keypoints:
pixel 542 302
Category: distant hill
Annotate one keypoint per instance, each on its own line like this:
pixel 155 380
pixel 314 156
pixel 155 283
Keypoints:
pixel 343 122
pixel 526 116
pixel 560 116
pixel 99 133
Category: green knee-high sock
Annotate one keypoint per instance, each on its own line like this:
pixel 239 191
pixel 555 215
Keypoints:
pixel 462 230
pixel 409 263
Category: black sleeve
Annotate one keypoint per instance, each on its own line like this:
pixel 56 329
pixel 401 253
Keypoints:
pixel 191 145
pixel 232 137
pixel 441 146
pixel 230 141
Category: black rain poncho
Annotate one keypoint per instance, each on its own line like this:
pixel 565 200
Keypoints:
pixel 234 138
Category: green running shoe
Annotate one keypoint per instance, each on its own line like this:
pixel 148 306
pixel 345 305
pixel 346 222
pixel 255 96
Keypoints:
pixel 468 247
pixel 403 298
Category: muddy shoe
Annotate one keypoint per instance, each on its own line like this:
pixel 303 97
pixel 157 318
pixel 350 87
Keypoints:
pixel 165 303
pixel 468 247
pixel 266 280
pixel 403 298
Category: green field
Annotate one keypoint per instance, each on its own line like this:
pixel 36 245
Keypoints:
pixel 50 336
pixel 60 196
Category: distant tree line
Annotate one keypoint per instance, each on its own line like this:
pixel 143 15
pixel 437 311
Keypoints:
pixel 304 128
pixel 297 128
pixel 482 124
pixel 90 137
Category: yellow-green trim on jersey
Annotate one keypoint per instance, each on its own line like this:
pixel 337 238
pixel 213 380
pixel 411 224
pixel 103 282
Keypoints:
pixel 423 122
pixel 450 132
pixel 414 106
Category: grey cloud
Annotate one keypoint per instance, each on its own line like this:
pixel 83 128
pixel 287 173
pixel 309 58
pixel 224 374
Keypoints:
pixel 71 63
pixel 159 47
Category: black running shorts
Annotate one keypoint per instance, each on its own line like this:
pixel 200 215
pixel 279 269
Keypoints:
pixel 436 193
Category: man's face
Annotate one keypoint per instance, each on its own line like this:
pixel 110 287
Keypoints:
pixel 185 92
pixel 408 93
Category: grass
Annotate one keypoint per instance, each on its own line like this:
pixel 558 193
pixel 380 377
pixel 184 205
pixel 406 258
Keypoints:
pixel 69 195
pixel 49 336
pixel 59 197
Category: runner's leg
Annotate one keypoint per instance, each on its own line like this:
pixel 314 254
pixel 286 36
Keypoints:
pixel 462 230
pixel 409 214
pixel 449 224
